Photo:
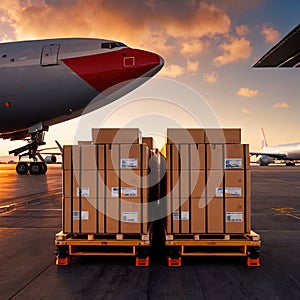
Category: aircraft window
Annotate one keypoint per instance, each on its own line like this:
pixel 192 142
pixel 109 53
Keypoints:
pixel 12 59
pixel 112 45
pixel 4 56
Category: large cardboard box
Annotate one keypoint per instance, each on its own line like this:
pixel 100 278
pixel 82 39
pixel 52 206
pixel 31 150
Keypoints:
pixel 223 136
pixel 235 182
pixel 116 136
pixel 126 156
pixel 84 184
pixel 227 156
pixel 127 183
pixel 185 183
pixel 88 157
pixel 185 136
pixel 184 157
pixel 79 216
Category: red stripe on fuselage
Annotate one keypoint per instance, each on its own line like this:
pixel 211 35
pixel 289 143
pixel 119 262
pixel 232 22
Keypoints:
pixel 106 70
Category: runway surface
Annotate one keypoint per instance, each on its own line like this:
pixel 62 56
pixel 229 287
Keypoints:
pixel 27 261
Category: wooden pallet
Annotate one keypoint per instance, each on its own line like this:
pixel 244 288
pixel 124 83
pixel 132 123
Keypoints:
pixel 247 245
pixel 69 245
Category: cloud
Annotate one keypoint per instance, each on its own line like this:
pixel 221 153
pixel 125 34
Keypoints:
pixel 210 77
pixel 193 47
pixel 172 71
pixel 271 35
pixel 242 30
pixel 235 50
pixel 192 66
pixel 246 92
pixel 281 105
pixel 246 111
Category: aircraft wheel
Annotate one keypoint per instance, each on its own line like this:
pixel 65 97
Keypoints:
pixel 43 167
pixel 35 168
pixel 22 168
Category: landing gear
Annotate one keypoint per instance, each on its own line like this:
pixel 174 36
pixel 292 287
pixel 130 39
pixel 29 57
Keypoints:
pixel 35 140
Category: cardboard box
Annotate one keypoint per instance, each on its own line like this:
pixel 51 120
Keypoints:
pixel 186 156
pixel 84 143
pixel 116 136
pixel 185 183
pixel 185 136
pixel 126 156
pixel 237 183
pixel 130 185
pixel 150 142
pixel 198 215
pixel 215 215
pixel 227 156
pixel 79 216
pixel 87 157
pixel 82 184
pixel 223 136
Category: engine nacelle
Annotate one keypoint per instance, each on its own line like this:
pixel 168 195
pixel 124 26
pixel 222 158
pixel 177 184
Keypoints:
pixel 265 160
pixel 50 159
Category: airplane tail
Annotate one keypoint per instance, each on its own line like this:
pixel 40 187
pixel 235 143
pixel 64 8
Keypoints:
pixel 264 142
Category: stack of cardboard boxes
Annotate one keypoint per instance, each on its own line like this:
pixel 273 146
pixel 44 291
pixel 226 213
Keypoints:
pixel 208 182
pixel 106 184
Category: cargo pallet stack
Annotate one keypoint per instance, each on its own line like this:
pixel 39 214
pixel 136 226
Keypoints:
pixel 208 196
pixel 105 197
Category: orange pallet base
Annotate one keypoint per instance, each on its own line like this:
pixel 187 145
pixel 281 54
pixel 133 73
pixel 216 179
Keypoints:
pixel 174 262
pixel 63 261
pixel 142 262
pixel 253 262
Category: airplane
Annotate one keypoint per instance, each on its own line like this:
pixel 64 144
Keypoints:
pixel 45 82
pixel 287 152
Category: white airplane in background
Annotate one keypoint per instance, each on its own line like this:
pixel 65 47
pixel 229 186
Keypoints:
pixel 46 82
pixel 287 152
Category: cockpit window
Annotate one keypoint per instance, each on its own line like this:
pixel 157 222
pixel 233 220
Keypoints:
pixel 111 45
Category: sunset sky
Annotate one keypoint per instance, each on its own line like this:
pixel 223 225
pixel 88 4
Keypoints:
pixel 208 47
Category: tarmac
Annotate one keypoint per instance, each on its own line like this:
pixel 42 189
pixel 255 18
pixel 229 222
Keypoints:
pixel 30 216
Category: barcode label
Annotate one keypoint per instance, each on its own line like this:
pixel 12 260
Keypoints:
pixel 130 217
pixel 234 217
pixel 84 215
pixel 129 163
pixel 229 192
pixel 184 215
pixel 233 163
pixel 83 192
pixel 125 192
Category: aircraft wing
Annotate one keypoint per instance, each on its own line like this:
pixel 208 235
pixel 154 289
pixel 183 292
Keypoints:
pixel 286 53
pixel 274 155
pixel 16 135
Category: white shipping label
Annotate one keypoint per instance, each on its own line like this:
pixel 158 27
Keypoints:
pixel 229 192
pixel 129 163
pixel 234 217
pixel 125 192
pixel 233 163
pixel 84 215
pixel 131 217
pixel 184 215
pixel 85 192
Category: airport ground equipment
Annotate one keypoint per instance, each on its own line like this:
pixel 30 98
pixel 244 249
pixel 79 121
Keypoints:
pixel 180 245
pixel 132 245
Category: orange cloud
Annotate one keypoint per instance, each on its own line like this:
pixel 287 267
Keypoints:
pixel 246 92
pixel 242 30
pixel 192 66
pixel 194 47
pixel 210 77
pixel 271 35
pixel 246 111
pixel 172 71
pixel 235 50
pixel 281 105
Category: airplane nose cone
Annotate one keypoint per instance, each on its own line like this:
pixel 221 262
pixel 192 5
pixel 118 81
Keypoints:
pixel 150 62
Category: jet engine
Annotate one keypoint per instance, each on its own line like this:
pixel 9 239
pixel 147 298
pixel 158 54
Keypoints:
pixel 50 159
pixel 265 160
